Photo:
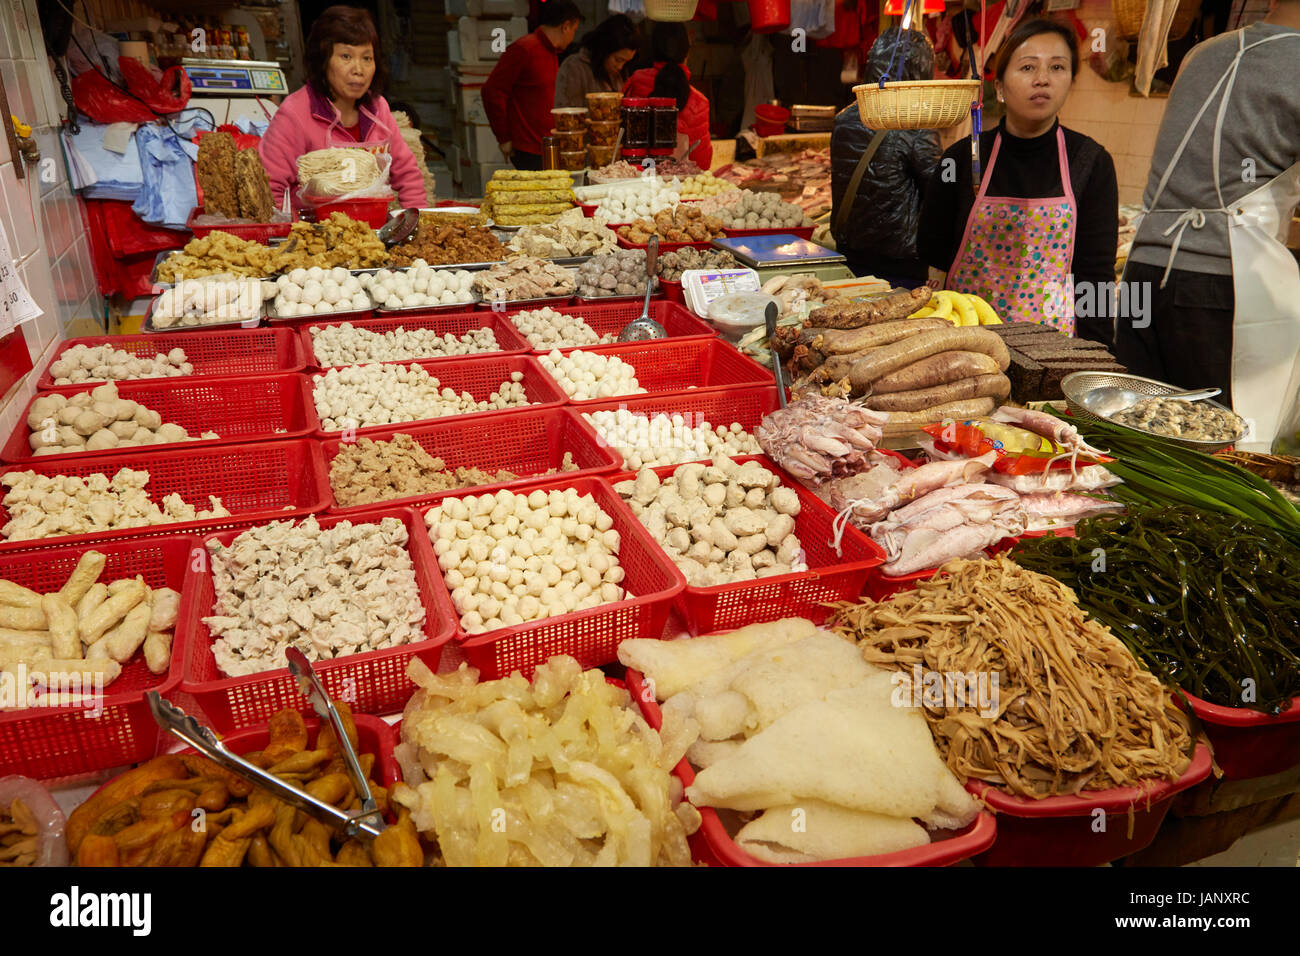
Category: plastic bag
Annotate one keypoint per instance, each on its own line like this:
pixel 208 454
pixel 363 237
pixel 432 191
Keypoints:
pixel 1018 451
pixel 741 308
pixel 379 189
pixel 51 850
pixel 143 101
pixel 168 94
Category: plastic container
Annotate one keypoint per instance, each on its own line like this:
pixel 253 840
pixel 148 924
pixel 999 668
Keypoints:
pixel 1247 743
pixel 769 16
pixel 260 481
pixel 611 317
pixel 603 107
pixel 480 377
pixel 215 354
pixel 250 231
pixel 528 442
pixel 689 365
pixel 268 408
pixel 591 636
pixel 372 682
pixel 803 232
pixel 573 160
pixel 456 323
pixel 569 140
pixel 373 212
pixel 45 742
pixel 772 113
pixel 664 123
pixel 569 118
pixel 638 123
pixel 713 844
pixel 830 577
pixel 1061 831
pixel 603 134
pixel 769 129
pixel 672 290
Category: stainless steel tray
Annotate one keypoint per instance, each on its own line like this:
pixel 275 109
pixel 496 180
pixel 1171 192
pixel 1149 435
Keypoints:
pixel 454 307
pixel 525 303
pixel 321 316
pixel 1077 385
pixel 148 326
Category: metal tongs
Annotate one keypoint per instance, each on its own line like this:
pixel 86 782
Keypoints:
pixel 367 824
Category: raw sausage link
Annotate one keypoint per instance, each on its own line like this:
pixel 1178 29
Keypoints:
pixel 893 357
pixel 936 370
pixel 843 341
pixel 996 386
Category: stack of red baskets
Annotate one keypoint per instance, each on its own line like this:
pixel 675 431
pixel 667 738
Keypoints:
pixel 770 120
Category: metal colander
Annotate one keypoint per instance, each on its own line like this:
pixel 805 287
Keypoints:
pixel 1077 385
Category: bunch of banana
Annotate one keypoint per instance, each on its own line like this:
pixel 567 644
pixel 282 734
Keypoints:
pixel 959 308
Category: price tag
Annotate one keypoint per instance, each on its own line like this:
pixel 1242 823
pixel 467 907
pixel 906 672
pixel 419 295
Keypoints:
pixel 16 303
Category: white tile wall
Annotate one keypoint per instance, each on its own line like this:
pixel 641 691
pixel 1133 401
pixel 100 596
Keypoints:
pixel 43 221
pixel 1108 112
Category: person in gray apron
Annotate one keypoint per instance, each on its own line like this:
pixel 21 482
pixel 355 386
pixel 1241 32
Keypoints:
pixel 1240 331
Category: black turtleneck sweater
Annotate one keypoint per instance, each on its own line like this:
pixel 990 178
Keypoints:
pixel 1028 169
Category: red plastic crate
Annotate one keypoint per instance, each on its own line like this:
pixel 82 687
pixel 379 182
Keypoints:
pixel 457 323
pixel 214 353
pixel 257 408
pixel 256 482
pixel 591 636
pixel 1248 743
pixel 830 577
pixel 248 231
pixel 44 742
pixel 1059 831
pixel 373 212
pixel 803 232
pixel 669 366
pixel 745 406
pixel 527 442
pixel 663 246
pixel 713 841
pixel 372 682
pixel 480 377
pixel 611 317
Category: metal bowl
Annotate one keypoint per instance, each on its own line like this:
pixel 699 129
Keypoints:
pixel 1077 385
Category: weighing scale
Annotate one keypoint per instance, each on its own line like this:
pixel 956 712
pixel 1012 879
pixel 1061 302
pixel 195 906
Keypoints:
pixel 782 255
pixel 229 89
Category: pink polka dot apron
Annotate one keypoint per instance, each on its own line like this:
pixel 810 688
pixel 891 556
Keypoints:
pixel 1016 253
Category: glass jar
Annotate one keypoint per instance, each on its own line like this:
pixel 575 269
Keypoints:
pixel 664 135
pixel 638 121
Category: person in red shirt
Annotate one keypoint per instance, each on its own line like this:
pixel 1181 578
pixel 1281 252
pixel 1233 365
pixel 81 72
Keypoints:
pixel 520 92
pixel 671 42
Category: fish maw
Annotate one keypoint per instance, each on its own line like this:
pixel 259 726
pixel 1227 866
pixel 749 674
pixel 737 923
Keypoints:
pixel 675 666
pixel 785 678
pixel 705 753
pixel 853 748
pixel 723 716
pixel 827 832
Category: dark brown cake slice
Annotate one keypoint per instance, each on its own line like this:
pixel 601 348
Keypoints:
pixel 253 188
pixel 216 171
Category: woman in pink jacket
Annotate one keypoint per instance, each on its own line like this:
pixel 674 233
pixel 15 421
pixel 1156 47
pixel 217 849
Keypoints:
pixel 339 106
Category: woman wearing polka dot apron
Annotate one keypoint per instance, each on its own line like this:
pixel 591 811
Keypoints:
pixel 1045 218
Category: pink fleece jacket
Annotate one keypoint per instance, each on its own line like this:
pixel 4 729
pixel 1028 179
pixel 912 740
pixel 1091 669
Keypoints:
pixel 307 121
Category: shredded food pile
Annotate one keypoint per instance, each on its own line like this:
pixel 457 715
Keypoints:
pixel 1075 711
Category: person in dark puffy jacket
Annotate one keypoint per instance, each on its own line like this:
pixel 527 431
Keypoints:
pixel 878 237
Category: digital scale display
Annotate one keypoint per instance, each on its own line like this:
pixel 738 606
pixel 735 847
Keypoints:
pixel 239 78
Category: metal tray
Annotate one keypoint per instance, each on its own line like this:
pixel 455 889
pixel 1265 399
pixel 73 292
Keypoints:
pixel 1076 386
pixel 526 303
pixel 148 326
pixel 158 260
pixel 454 307
pixel 467 266
pixel 319 317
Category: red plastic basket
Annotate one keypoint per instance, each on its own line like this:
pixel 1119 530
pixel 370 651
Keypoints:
pixel 1059 831
pixel 373 212
pixel 605 318
pixel 744 406
pixel 256 408
pixel 457 323
pixel 684 365
pixel 256 482
pixel 248 231
pixel 45 742
pixel 830 577
pixel 480 377
pixel 214 353
pixel 663 246
pixel 372 682
pixel 673 293
pixel 591 636
pixel 1247 743
pixel 527 442
pixel 718 844
pixel 803 232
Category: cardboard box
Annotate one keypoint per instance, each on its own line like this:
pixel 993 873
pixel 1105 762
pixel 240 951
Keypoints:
pixel 467 100
pixel 482 41
pixel 480 143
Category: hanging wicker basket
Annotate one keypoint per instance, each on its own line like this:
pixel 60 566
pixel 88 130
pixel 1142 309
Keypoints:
pixel 670 11
pixel 916 104
pixel 1129 15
